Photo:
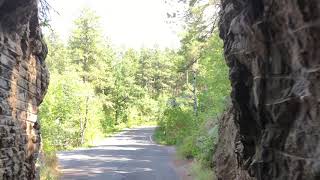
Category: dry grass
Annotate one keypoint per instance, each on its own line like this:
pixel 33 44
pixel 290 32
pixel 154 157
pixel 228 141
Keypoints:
pixel 48 163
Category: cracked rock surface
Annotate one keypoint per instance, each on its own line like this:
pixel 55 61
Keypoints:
pixel 23 83
pixel 272 48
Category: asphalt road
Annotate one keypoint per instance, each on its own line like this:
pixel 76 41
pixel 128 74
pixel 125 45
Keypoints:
pixel 129 155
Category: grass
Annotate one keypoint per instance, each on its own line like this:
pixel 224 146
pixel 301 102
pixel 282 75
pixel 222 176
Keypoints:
pixel 48 163
pixel 159 137
pixel 194 140
pixel 185 150
pixel 201 173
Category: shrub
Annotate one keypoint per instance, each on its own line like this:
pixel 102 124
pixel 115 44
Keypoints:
pixel 188 148
pixel 206 142
pixel 175 124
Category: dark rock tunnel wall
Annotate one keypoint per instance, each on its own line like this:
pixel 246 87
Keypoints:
pixel 273 129
pixel 23 83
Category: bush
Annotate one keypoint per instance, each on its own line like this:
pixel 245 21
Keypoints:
pixel 200 143
pixel 193 137
pixel 175 125
pixel 62 113
pixel 188 148
pixel 206 142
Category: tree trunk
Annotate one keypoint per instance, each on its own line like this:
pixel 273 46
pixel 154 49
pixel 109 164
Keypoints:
pixel 116 116
pixel 273 51
pixel 86 119
pixel 194 92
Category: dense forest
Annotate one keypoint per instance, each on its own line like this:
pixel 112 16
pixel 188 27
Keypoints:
pixel 96 89
pixel 243 107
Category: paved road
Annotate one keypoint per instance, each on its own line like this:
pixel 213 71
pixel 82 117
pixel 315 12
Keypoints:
pixel 130 155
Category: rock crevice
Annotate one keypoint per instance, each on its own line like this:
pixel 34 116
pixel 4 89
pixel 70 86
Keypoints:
pixel 273 51
pixel 23 83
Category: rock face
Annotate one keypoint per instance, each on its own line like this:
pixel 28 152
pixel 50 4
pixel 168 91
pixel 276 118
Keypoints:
pixel 273 50
pixel 23 83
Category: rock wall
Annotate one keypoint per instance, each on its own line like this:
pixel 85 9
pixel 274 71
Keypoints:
pixel 23 83
pixel 273 50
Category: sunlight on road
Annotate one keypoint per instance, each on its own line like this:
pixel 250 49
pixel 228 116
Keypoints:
pixel 127 155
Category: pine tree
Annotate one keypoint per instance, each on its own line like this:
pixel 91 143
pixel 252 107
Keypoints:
pixel 85 47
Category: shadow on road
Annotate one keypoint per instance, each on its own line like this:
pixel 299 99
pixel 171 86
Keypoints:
pixel 128 155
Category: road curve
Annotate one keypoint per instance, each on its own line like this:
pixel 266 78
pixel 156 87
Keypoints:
pixel 129 155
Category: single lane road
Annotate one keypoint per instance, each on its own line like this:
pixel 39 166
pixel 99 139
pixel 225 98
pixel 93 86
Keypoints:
pixel 129 155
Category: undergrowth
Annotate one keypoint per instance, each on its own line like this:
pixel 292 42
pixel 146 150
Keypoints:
pixel 48 163
pixel 200 172
pixel 194 137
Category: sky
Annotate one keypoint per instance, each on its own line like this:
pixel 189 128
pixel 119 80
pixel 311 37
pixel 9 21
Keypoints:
pixel 127 23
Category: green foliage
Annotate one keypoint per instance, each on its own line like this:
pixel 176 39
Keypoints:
pixel 57 58
pixel 175 124
pixel 206 140
pixel 196 135
pixel 85 43
pixel 188 147
pixel 96 90
pixel 202 91
pixel 70 115
pixel 57 113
